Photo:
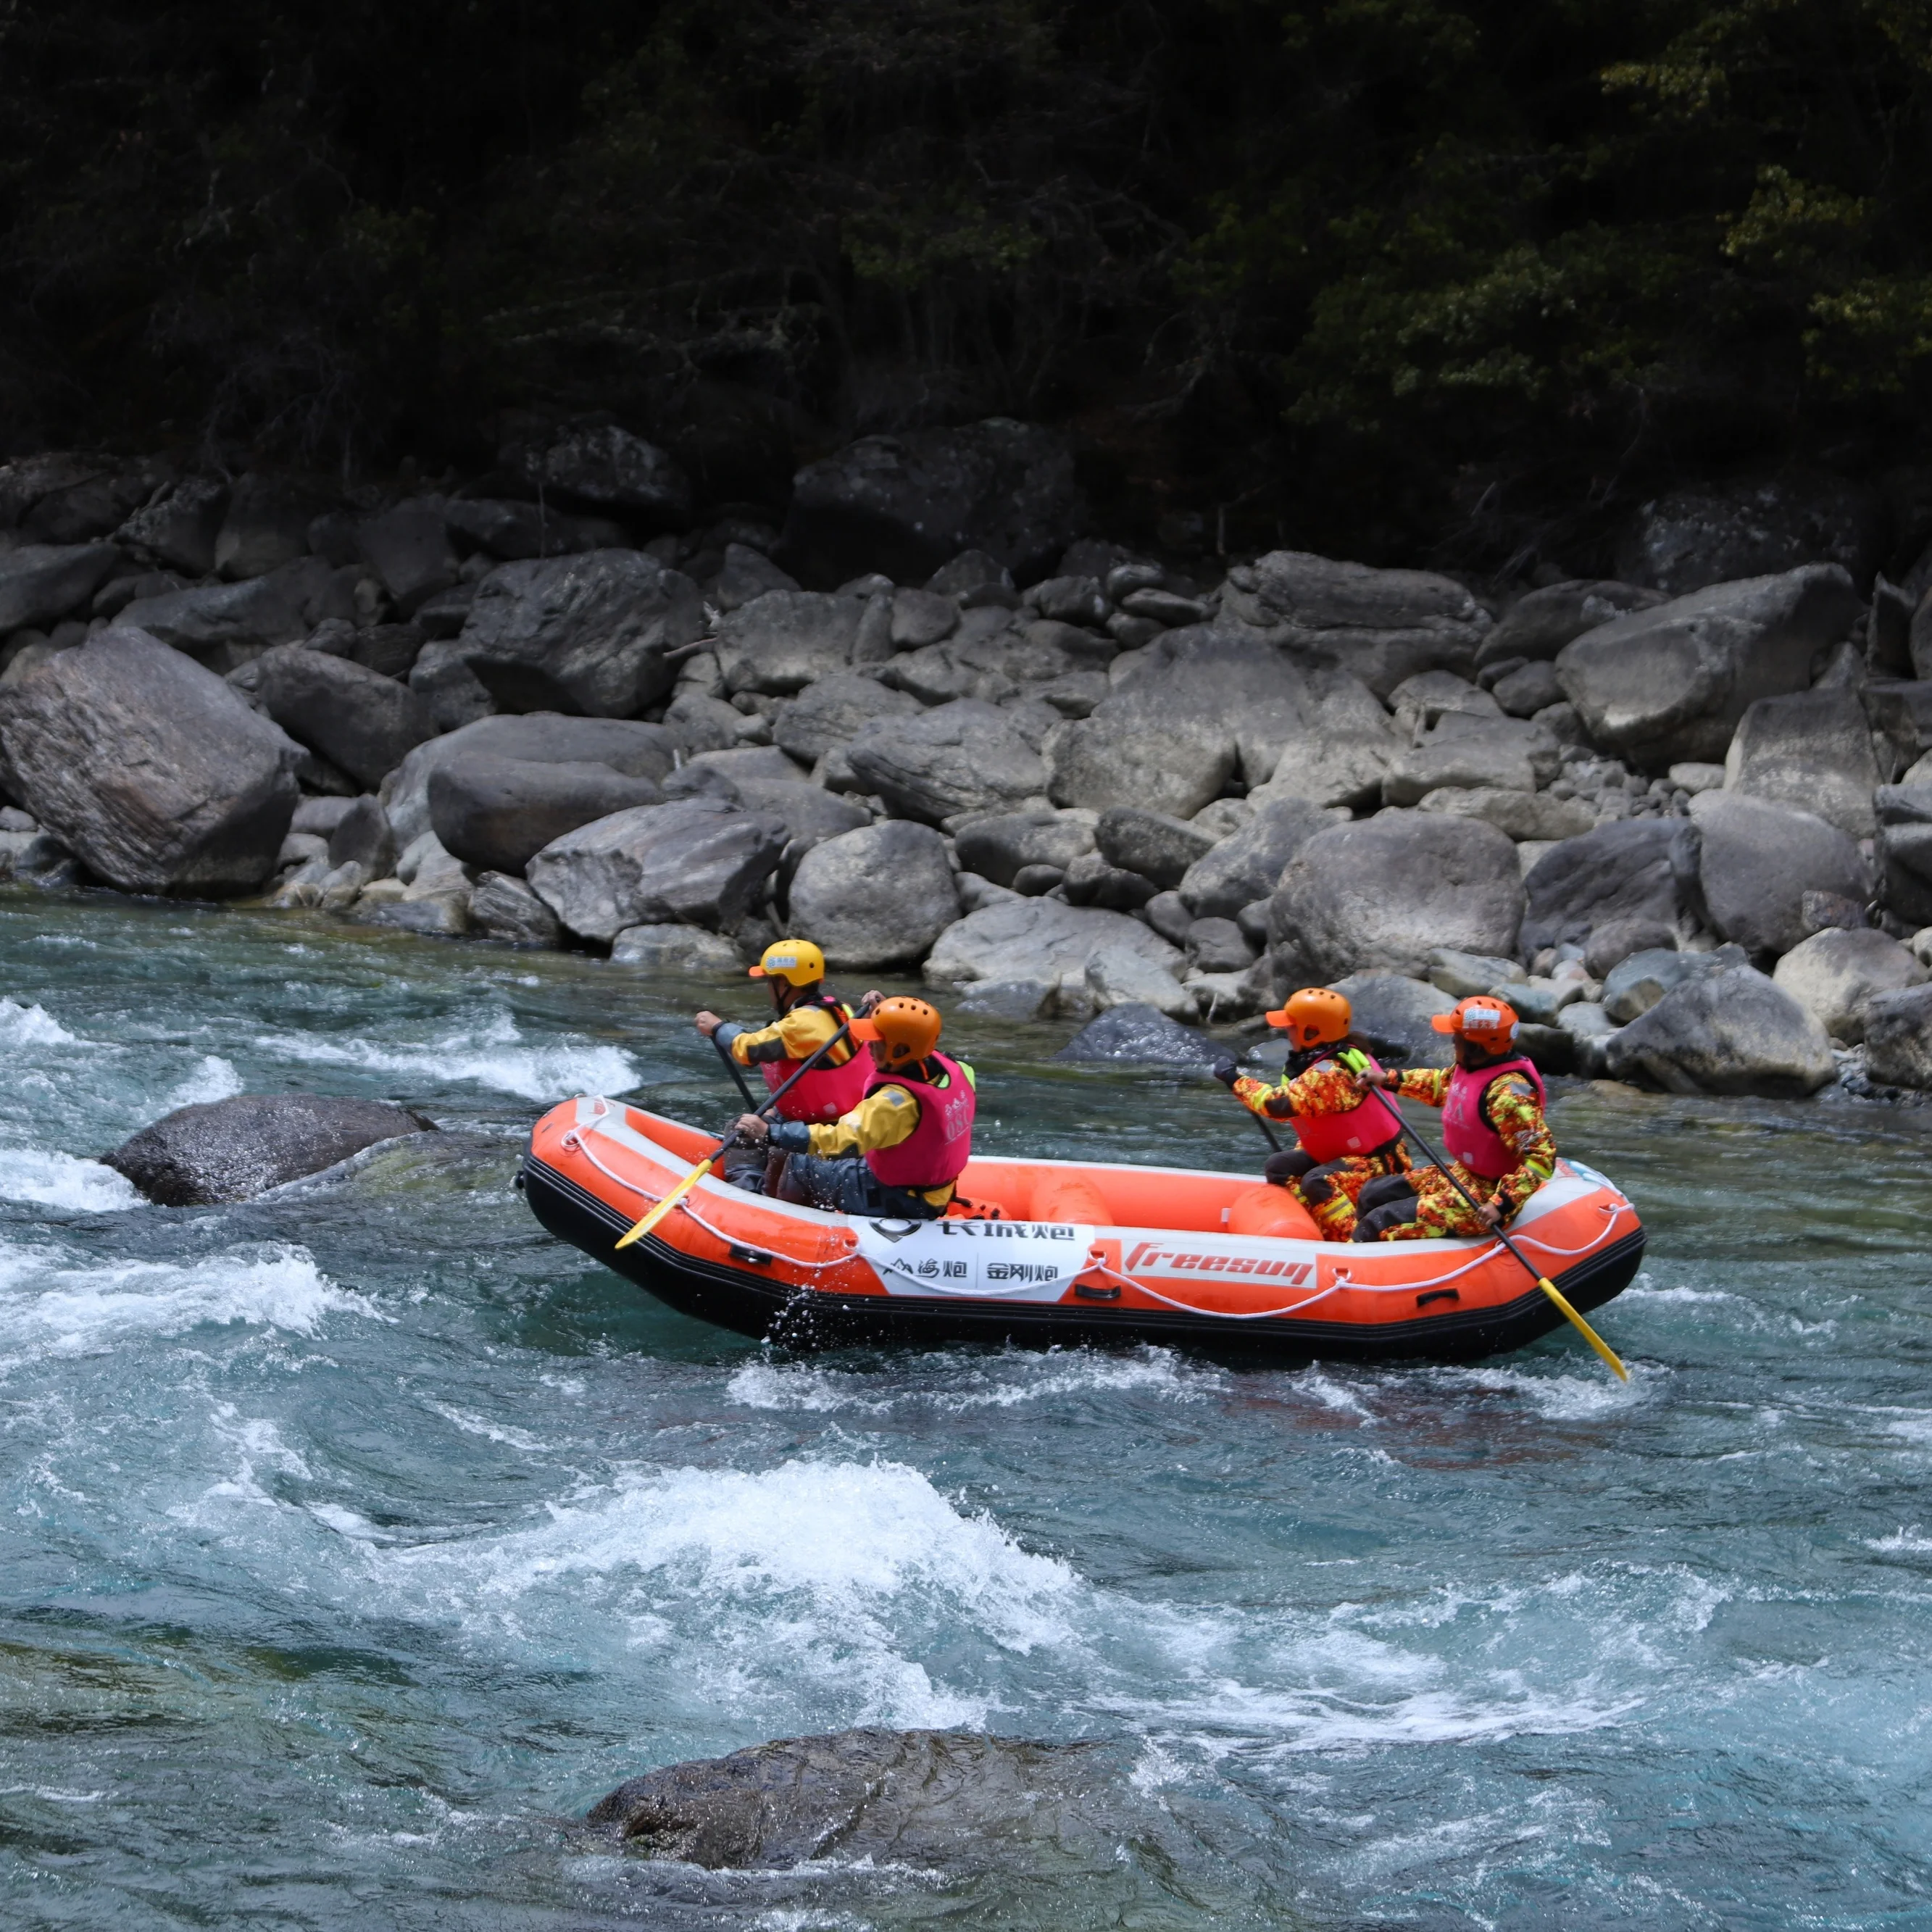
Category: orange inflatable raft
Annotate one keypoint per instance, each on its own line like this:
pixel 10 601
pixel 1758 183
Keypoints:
pixel 1046 1251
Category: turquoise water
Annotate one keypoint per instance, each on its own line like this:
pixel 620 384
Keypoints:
pixel 353 1541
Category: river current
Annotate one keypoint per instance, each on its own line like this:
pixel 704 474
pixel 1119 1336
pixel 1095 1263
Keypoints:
pixel 354 1541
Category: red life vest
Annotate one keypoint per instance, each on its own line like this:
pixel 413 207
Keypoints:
pixel 938 1150
pixel 827 1091
pixel 1364 1127
pixel 1466 1133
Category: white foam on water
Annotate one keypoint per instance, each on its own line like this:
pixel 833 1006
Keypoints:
pixel 347 1522
pixel 68 1311
pixel 1561 1397
pixel 814 1579
pixel 1904 1543
pixel 491 1054
pixel 1011 1380
pixel 54 1180
pixel 213 1078
pixel 1688 1295
pixel 32 1026
pixel 491 1432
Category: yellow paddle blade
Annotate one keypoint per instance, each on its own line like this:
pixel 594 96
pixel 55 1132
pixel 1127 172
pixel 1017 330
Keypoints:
pixel 669 1201
pixel 1583 1328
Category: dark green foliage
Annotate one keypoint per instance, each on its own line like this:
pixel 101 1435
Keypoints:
pixel 1359 270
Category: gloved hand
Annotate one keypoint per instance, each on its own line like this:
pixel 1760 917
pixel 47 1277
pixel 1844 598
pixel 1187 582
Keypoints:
pixel 1225 1071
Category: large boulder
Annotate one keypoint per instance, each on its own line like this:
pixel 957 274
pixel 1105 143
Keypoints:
pixel 358 720
pixel 1904 848
pixel 409 549
pixel 692 861
pixel 1150 843
pixel 879 896
pixel 41 583
pixel 1135 1035
pixel 1727 1032
pixel 1000 846
pixel 1381 625
pixel 498 814
pixel 1834 976
pixel 267 524
pixel 829 715
pixel 905 504
pixel 1345 753
pixel 1621 872
pixel 234 1150
pixel 1756 861
pixel 1230 681
pixel 585 633
pixel 630 746
pixel 1812 749
pixel 594 462
pixel 1639 979
pixel 505 909
pixel 961 757
pixel 1669 685
pixel 785 639
pixel 1247 864
pixel 177 527
pixel 1465 753
pixel 279 607
pixel 1386 891
pixel 1691 538
pixel 1538 625
pixel 1036 953
pixel 147 767
pixel 1898 1037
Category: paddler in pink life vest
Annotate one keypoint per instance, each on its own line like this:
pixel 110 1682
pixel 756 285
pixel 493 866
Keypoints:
pixel 808 1016
pixel 1347 1139
pixel 899 1152
pixel 1493 1129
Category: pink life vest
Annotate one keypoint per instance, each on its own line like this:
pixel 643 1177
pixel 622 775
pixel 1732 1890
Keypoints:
pixel 827 1091
pixel 938 1150
pixel 1365 1126
pixel 1466 1133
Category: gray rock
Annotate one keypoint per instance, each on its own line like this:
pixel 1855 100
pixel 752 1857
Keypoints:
pixel 1757 860
pixel 362 836
pixel 961 757
pixel 1613 942
pixel 1381 625
pixel 1636 983
pixel 785 639
pixel 1422 702
pixel 1692 538
pixel 1126 753
pixel 428 915
pixel 1905 855
pixel 1043 947
pixel 499 813
pixel 747 573
pixel 148 768
pixel 1217 945
pixel 513 531
pixel 1671 684
pixel 638 749
pixel 505 909
pixel 1343 756
pixel 1531 688
pixel 576 634
pixel 266 526
pixel 1387 891
pixel 905 504
pixel 1118 976
pixel 1131 1035
pixel 321 815
pixel 178 527
pixel 704 724
pixel 1620 871
pixel 1812 749
pixel 693 862
pixel 234 1150
pixel 999 847
pixel 877 896
pixel 1077 694
pixel 1501 754
pixel 1071 600
pixel 1525 816
pixel 360 722
pixel 1150 843
pixel 922 617
pixel 282 606
pixel 1090 880
pixel 1464 975
pixel 408 548
pixel 1898 1037
pixel 1834 975
pixel 1538 625
pixel 1729 1032
pixel 1247 864
pixel 1393 1014
pixel 596 463
pixel 41 583
pixel 808 812
pixel 674 948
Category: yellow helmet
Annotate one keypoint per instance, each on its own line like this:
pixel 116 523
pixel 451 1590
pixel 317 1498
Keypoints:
pixel 797 960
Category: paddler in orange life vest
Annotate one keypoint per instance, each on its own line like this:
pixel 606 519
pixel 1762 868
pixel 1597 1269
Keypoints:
pixel 900 1152
pixel 809 1015
pixel 1493 1129
pixel 1347 1139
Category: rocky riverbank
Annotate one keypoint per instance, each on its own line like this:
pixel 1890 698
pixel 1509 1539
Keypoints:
pixel 1684 824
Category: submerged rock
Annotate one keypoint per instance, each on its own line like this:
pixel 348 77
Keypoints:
pixel 226 1151
pixel 1134 1034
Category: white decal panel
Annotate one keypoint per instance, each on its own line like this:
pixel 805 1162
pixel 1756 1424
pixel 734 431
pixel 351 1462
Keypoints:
pixel 1009 1261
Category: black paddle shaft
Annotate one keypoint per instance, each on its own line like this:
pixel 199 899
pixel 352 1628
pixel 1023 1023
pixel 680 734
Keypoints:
pixel 724 1054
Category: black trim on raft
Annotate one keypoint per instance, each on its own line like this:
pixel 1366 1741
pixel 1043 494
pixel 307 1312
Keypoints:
pixel 810 1319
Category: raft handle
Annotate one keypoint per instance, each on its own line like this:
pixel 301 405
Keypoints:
pixel 1437 1295
pixel 751 1257
pixel 1088 1292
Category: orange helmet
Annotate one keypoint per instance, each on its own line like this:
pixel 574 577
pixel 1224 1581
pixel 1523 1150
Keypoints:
pixel 1483 1020
pixel 1314 1017
pixel 909 1027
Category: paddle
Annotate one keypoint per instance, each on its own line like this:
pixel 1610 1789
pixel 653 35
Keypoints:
pixel 1358 1063
pixel 703 1167
pixel 731 1066
pixel 1250 1112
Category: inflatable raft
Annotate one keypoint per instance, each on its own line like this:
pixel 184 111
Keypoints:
pixel 1044 1251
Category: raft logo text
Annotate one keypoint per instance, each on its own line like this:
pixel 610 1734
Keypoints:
pixel 979 1230
pixel 1175 1261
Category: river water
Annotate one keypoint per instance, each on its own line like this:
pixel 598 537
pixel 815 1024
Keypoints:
pixel 354 1541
